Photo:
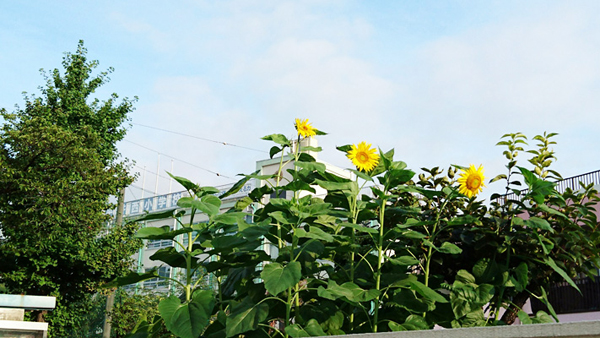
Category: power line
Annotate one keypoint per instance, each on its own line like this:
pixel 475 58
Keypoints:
pixel 131 191
pixel 180 160
pixel 199 138
pixel 146 190
pixel 152 172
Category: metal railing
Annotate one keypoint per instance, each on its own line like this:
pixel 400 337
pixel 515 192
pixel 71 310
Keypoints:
pixel 565 299
pixel 573 183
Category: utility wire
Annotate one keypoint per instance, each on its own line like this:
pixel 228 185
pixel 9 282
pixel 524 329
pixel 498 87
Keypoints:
pixel 131 191
pixel 199 138
pixel 146 190
pixel 180 160
pixel 152 172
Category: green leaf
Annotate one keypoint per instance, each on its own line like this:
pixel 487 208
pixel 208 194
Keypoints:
pixel 311 329
pixel 208 204
pixel 187 184
pixel 449 248
pixel 415 322
pixel 538 223
pixel 311 166
pixel 230 217
pixel 348 290
pixel 396 327
pixel 551 211
pixel 407 299
pixel 524 317
pixel 297 185
pixel 283 218
pixel 404 260
pixel 314 233
pixel 336 186
pixel 296 331
pixel 154 216
pixel 541 317
pixel 359 294
pixel 238 185
pixel 227 242
pixel 309 148
pixel 362 175
pixel 304 157
pixel 278 138
pixel 274 151
pixel 173 258
pixel 187 320
pixel 314 329
pixel 499 177
pixel 345 148
pixel 334 291
pixel 359 227
pixel 538 188
pixel 522 278
pixel 245 317
pixel 243 203
pixel 412 234
pixel 550 262
pixel 163 232
pixel 279 278
pixel 427 292
pixel 465 277
pixel 462 220
pixel 131 278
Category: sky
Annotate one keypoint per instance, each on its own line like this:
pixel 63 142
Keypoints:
pixel 438 81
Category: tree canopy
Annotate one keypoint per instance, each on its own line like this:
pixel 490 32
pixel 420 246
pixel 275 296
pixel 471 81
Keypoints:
pixel 59 167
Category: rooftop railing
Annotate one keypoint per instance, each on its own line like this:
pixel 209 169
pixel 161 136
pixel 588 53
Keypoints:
pixel 565 299
pixel 573 183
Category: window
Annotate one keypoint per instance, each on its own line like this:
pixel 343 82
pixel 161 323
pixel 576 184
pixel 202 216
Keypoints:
pixel 163 271
pixel 159 243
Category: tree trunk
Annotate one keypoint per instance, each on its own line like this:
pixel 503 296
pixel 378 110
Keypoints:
pixel 517 304
pixel 40 316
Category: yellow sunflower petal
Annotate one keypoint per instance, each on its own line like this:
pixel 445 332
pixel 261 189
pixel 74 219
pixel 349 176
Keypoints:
pixel 363 156
pixel 471 181
pixel 304 128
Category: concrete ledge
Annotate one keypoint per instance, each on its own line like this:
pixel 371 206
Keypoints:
pixel 27 302
pixel 587 329
pixel 19 329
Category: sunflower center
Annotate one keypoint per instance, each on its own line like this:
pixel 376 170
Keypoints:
pixel 473 182
pixel 362 157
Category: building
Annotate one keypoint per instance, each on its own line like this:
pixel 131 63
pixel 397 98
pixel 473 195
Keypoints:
pixel 139 207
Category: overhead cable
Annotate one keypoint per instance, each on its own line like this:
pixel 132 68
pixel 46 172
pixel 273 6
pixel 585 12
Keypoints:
pixel 199 138
pixel 178 159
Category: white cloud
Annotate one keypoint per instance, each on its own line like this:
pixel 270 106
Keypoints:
pixel 530 73
pixel 251 67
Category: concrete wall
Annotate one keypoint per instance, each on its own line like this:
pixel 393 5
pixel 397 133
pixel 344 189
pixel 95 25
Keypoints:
pixel 589 329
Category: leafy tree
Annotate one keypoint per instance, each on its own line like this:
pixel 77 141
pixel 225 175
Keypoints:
pixel 59 168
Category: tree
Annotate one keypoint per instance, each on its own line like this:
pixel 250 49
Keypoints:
pixel 59 167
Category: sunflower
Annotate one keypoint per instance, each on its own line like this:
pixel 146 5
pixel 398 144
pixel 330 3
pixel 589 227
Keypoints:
pixel 304 128
pixel 363 157
pixel 471 181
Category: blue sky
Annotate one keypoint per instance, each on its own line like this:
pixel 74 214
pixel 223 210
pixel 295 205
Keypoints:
pixel 440 82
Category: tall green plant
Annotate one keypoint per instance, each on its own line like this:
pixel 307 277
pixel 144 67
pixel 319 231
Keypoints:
pixel 412 254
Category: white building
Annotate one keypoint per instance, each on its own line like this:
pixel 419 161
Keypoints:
pixel 139 207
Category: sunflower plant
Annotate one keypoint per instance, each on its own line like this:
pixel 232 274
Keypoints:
pixel 380 249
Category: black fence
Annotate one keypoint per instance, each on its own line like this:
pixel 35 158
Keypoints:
pixel 565 299
pixel 572 182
